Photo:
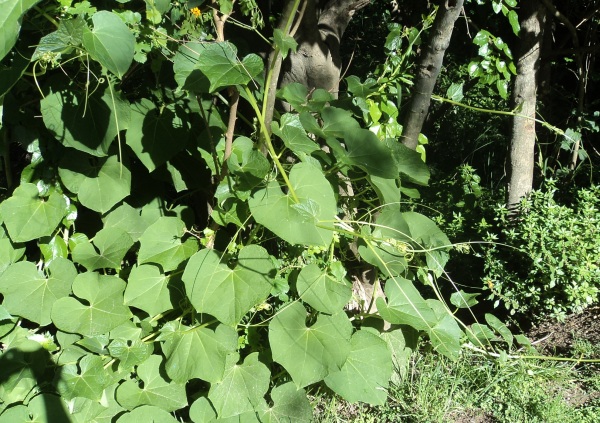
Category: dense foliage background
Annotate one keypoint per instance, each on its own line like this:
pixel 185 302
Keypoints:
pixel 168 253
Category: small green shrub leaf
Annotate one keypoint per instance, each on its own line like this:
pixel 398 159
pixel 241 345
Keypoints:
pixel 293 134
pixel 499 327
pixel 110 42
pixel 28 216
pixel 156 390
pixel 102 311
pixel 309 354
pixel 229 293
pixel 243 386
pixel 196 352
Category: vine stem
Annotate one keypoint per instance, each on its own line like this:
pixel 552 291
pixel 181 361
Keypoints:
pixel 267 138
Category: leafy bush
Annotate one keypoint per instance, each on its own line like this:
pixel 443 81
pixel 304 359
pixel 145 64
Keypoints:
pixel 554 267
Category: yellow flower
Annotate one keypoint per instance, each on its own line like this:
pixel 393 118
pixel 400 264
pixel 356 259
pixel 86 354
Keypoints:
pixel 196 12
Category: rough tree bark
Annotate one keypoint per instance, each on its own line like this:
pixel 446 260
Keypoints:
pixel 532 15
pixel 317 61
pixel 428 70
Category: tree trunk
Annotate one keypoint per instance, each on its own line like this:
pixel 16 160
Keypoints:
pixel 317 62
pixel 428 71
pixel 522 143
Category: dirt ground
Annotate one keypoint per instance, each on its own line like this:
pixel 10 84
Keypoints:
pixel 557 338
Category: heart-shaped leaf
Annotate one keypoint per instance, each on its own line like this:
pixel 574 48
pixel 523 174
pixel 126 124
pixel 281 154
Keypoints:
pixel 27 216
pixel 148 290
pixel 110 42
pixel 156 135
pixel 156 390
pixel 309 354
pixel 85 122
pixel 298 222
pixel 196 352
pixel 366 373
pixel 289 404
pixel 405 305
pixel 10 22
pixel 102 311
pixel 99 183
pixel 323 291
pixel 219 63
pixel 30 294
pixel 229 293
pixel 162 244
pixel 86 379
pixel 243 386
pixel 107 251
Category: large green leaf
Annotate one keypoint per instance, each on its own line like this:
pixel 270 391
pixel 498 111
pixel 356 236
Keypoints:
pixel 290 404
pixel 219 63
pixel 243 386
pixel 87 379
pixel 127 218
pixel 156 134
pixel 446 335
pixel 298 222
pixel 27 216
pixel 229 293
pixel 366 151
pixel 106 252
pixel 247 163
pixel 10 252
pixel 409 162
pixel 322 290
pixel 62 41
pixel 309 354
pixel 156 390
pixel 293 134
pixel 366 373
pixel 148 290
pixel 386 245
pixel 99 183
pixel 147 413
pixel 102 311
pixel 405 305
pixel 196 352
pixel 86 122
pixel 130 351
pixel 425 234
pixel 110 42
pixel 10 22
pixel 30 294
pixel 162 244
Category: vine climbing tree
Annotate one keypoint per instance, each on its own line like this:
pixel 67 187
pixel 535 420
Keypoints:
pixel 154 263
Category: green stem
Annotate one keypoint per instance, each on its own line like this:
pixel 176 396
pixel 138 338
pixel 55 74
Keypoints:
pixel 267 138
pixel 45 15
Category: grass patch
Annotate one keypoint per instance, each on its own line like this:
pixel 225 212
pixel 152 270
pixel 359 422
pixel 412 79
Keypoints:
pixel 477 389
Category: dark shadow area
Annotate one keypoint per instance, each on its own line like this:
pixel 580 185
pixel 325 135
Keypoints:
pixel 30 361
